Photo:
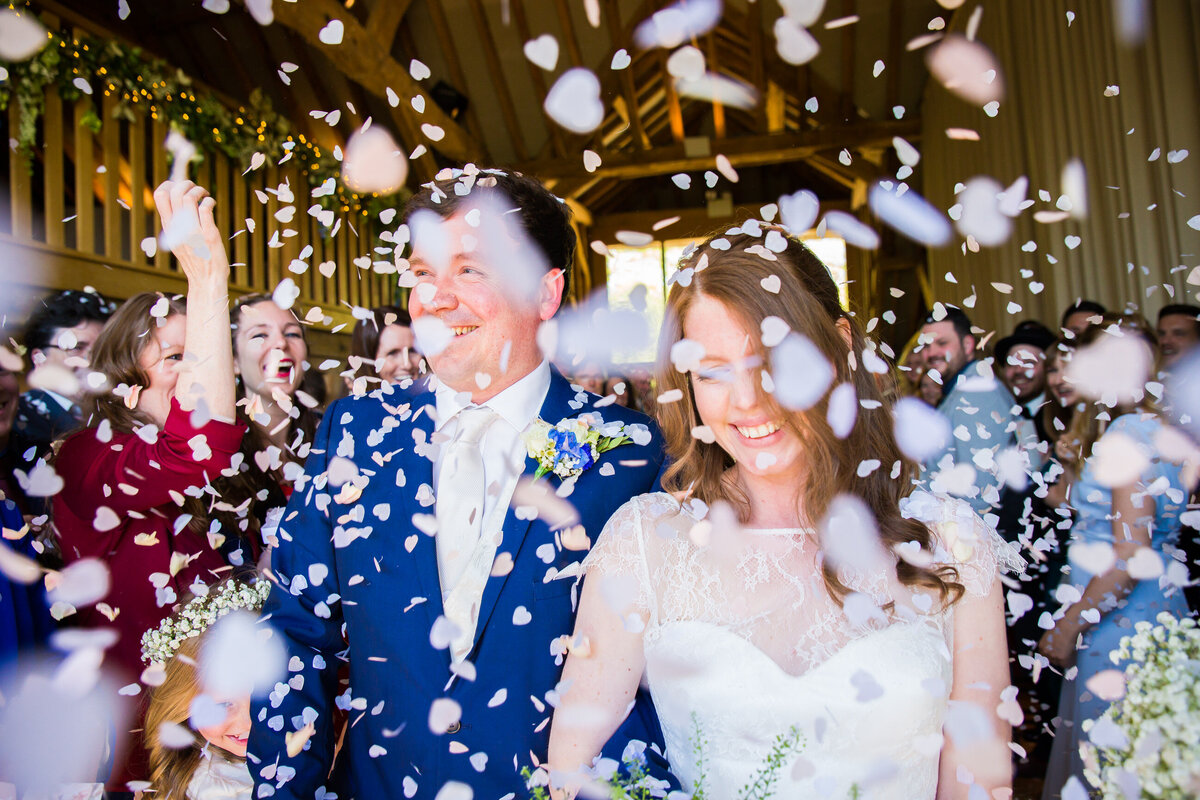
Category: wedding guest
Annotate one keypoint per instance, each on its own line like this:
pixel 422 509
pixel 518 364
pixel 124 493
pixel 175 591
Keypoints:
pixel 1178 332
pixel 928 388
pixel 213 765
pixel 164 426
pixel 25 620
pixel 1116 523
pixel 1020 359
pixel 1057 412
pixel 1046 528
pixel 1078 316
pixel 623 391
pixel 382 348
pixel 589 377
pixel 270 354
pixel 764 597
pixel 911 368
pixel 59 337
pixel 973 402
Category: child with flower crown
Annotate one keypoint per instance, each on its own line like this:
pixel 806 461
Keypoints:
pixel 212 764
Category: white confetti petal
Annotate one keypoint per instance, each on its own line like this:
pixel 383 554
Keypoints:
pixel 543 51
pixel 373 162
pixel 801 372
pixel 21 36
pixel 574 101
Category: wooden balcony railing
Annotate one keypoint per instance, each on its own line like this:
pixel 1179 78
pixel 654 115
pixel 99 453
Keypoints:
pixel 77 213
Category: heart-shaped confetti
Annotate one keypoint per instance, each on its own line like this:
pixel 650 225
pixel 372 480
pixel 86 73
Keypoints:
pixel 543 51
pixel 262 11
pixel 620 60
pixel 332 33
pixel 574 101
pixel 418 70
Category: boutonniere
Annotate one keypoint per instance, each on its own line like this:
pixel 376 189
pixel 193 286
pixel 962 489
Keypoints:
pixel 574 445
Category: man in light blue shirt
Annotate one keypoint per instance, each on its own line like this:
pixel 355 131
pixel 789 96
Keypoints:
pixel 983 415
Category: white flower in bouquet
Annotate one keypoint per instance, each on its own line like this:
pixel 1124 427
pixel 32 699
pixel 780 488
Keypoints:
pixel 1144 745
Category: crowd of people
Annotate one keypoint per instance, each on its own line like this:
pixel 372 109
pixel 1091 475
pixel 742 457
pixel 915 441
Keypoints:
pixel 767 552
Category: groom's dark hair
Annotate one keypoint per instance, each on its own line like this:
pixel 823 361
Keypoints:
pixel 545 219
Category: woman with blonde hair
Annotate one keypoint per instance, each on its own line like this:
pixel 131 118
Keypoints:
pixel 211 765
pixel 789 586
pixel 1120 515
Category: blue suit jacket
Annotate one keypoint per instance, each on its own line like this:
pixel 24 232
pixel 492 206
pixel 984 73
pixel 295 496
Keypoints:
pixel 360 572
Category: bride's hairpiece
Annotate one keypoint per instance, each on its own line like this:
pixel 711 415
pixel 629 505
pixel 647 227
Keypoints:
pixel 159 644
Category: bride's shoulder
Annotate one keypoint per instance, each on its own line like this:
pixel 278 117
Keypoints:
pixel 963 539
pixel 655 506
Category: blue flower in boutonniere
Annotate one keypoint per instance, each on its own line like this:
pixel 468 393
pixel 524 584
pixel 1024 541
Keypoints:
pixel 575 444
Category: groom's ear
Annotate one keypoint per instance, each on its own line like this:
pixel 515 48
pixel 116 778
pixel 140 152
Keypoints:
pixel 550 293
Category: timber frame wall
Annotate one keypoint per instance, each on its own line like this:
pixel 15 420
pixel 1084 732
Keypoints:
pixel 76 214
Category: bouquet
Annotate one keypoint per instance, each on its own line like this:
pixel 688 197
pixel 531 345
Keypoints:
pixel 1144 745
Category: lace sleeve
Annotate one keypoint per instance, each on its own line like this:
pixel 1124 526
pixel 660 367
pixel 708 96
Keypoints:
pixel 619 555
pixel 965 541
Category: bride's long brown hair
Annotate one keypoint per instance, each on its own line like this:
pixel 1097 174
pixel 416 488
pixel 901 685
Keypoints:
pixel 807 300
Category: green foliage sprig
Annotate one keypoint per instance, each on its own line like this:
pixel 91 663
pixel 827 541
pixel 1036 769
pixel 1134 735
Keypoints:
pixel 142 84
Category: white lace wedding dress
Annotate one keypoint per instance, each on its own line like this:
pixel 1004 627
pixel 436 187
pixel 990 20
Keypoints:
pixel 743 643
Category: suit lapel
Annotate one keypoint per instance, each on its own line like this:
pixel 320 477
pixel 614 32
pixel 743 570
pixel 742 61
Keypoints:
pixel 418 470
pixel 557 406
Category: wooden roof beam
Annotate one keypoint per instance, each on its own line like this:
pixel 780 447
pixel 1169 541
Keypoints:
pixel 361 59
pixel 459 79
pixel 744 151
pixel 384 20
pixel 718 108
pixel 499 83
pixel 613 19
pixel 674 109
pixel 564 19
pixel 846 98
pixel 557 139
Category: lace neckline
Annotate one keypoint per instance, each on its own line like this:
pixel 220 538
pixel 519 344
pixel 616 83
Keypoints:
pixel 781 531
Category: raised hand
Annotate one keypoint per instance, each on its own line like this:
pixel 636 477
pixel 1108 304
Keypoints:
pixel 190 232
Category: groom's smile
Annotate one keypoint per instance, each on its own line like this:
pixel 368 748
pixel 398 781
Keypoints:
pixel 462 282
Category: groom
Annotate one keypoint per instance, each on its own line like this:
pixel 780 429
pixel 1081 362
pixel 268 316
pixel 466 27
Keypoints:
pixel 418 550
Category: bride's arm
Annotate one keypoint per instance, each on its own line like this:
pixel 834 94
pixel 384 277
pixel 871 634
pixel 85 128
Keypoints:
pixel 602 674
pixel 980 675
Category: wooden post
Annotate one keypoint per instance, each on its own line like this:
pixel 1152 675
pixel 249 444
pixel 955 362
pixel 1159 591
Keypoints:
pixel 158 138
pixel 20 184
pixel 137 188
pixel 110 136
pixel 52 169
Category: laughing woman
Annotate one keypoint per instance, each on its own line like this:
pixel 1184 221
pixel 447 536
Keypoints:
pixel 765 597
pixel 270 352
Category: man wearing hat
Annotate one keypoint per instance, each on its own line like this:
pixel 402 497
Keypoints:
pixel 1020 363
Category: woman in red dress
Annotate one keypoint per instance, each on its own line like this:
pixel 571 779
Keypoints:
pixel 161 429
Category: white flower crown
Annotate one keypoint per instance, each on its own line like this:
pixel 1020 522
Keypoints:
pixel 160 644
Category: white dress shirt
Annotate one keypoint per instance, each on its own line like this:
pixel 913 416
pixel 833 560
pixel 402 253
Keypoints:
pixel 464 575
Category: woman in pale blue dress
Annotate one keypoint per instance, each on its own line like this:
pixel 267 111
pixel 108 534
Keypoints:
pixel 1118 563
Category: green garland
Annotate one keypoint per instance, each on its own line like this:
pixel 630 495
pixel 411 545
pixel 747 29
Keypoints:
pixel 142 85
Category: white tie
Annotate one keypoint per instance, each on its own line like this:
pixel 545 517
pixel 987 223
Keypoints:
pixel 460 495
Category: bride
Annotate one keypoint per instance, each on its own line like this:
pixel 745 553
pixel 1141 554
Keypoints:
pixel 787 598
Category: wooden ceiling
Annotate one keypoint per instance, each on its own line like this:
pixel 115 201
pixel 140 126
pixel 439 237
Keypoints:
pixel 863 79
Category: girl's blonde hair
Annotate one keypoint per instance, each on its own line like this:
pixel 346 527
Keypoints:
pixel 171 769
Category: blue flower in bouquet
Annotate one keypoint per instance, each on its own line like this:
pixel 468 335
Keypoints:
pixel 574 445
pixel 570 453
